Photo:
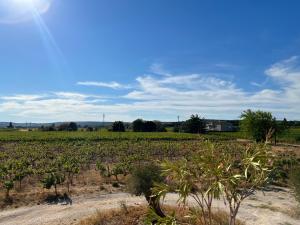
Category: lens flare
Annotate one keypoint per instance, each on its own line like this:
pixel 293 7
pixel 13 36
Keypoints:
pixel 15 11
pixel 54 52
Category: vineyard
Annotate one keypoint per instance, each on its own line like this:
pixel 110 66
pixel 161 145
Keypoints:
pixel 291 136
pixel 38 167
pixel 11 136
pixel 57 162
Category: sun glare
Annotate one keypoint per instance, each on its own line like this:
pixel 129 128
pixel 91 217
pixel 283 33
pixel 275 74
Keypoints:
pixel 24 1
pixel 14 11
pixel 27 3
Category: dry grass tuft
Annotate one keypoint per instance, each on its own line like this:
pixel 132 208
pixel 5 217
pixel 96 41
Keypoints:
pixel 137 216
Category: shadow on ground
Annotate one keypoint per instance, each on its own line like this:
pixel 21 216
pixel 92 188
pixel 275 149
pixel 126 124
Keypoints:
pixel 58 199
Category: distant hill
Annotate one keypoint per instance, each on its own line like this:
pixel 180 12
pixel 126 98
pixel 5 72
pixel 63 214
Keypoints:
pixel 38 125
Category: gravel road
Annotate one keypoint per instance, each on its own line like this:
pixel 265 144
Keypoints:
pixel 270 208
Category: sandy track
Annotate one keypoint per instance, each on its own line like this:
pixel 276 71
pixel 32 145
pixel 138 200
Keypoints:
pixel 65 214
pixel 268 209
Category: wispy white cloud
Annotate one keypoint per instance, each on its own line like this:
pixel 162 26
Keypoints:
pixel 285 70
pixel 54 106
pixel 158 69
pixel 76 95
pixel 287 74
pixel 22 97
pixel 70 95
pixel 261 84
pixel 256 84
pixel 214 96
pixel 165 97
pixel 113 84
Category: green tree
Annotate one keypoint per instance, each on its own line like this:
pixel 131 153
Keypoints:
pixel 68 127
pixel 160 127
pixel 258 125
pixel 142 181
pixel 72 126
pixel 138 125
pixel 194 125
pixel 118 126
pixel 149 126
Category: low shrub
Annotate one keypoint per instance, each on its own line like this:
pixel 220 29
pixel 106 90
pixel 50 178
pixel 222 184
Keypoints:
pixel 282 166
pixel 294 180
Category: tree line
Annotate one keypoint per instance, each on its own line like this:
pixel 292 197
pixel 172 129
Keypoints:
pixel 258 125
pixel 195 124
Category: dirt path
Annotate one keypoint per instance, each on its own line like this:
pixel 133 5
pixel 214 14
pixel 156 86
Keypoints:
pixel 269 209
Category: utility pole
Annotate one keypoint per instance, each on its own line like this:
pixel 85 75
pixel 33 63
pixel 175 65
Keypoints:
pixel 178 124
pixel 103 121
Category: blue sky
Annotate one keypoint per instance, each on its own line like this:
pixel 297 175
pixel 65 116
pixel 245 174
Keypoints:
pixel 74 60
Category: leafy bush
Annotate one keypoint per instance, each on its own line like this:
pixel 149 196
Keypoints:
pixel 118 126
pixel 52 179
pixel 262 126
pixel 142 181
pixel 294 180
pixel 137 125
pixel 68 127
pixel 194 125
pixel 282 166
pixel 159 126
pixel 7 177
pixel 21 170
pixel 8 185
pixel 117 170
pixel 140 125
pixel 232 171
pixel 104 170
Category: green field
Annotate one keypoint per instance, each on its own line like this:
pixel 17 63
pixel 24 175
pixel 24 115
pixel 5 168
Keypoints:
pixel 291 136
pixel 91 136
pixel 102 136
